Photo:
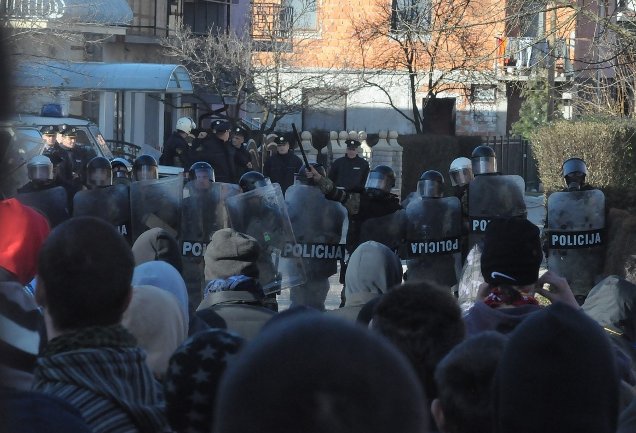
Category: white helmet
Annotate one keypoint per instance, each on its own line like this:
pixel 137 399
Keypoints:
pixel 185 124
pixel 461 171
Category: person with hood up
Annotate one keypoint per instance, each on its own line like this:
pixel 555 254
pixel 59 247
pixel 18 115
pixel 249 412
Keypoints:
pixel 233 291
pixel 91 361
pixel 557 374
pixel 156 320
pixel 510 262
pixel 163 275
pixel 372 271
pixel 22 233
pixel 157 244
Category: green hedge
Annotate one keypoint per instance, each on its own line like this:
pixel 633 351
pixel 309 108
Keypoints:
pixel 605 145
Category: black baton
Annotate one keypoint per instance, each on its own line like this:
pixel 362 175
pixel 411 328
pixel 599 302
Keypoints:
pixel 300 145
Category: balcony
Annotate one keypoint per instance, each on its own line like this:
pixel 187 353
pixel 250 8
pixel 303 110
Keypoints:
pixel 523 56
pixel 271 27
pixel 98 16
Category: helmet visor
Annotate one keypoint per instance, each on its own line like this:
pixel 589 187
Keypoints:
pixel 461 177
pixel 146 172
pixel 377 180
pixel 484 165
pixel 40 172
pixel 100 177
pixel 430 188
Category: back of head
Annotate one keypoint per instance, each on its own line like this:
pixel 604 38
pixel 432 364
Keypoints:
pixel 164 276
pixel 22 233
pixel 372 268
pixel 231 253
pixel 464 379
pixel 346 380
pixel 157 244
pixel 511 253
pixel 195 370
pixel 559 365
pixel 86 268
pixel 574 172
pixel 424 321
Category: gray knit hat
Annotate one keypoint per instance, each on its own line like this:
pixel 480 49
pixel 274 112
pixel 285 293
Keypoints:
pixel 231 253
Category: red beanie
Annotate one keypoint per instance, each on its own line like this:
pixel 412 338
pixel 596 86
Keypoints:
pixel 22 233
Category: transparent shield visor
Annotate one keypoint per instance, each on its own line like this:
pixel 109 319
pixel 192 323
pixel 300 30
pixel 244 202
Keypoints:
pixel 378 181
pixel 484 165
pixel 146 172
pixel 41 172
pixel 429 188
pixel 461 177
pixel 120 173
pixel 100 177
pixel 203 178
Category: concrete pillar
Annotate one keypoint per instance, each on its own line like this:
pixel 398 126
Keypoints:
pixel 310 151
pixel 106 120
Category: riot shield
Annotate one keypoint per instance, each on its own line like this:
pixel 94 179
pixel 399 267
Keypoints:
pixel 156 203
pixel 491 197
pixel 389 230
pixel 111 204
pixel 262 214
pixel 318 233
pixel 52 202
pixel 574 229
pixel 433 234
pixel 202 213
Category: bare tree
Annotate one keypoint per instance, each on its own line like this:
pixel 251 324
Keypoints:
pixel 434 46
pixel 255 68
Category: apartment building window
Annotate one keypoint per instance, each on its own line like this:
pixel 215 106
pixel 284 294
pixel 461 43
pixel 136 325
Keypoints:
pixel 410 15
pixel 305 14
pixel 202 15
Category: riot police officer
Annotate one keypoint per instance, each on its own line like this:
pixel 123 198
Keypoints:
pixel 374 214
pixel 433 232
pixel 122 170
pixel 145 167
pixel 40 173
pixel 99 173
pixel 460 173
pixel 176 151
pixel 317 235
pixel 483 161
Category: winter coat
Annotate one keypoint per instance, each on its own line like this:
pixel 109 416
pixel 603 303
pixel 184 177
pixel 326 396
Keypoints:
pixel 349 173
pixel 281 169
pixel 176 152
pixel 220 155
pixel 481 317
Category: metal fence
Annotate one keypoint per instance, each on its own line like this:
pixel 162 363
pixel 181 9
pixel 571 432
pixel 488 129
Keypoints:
pixel 514 156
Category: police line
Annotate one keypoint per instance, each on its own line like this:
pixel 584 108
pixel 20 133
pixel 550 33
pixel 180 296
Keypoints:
pixel 572 240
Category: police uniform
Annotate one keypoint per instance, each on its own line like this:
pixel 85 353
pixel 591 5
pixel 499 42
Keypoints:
pixel 349 173
pixel 176 151
pixel 242 158
pixel 281 168
pixel 218 153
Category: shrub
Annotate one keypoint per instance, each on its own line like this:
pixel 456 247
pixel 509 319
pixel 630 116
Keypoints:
pixel 605 145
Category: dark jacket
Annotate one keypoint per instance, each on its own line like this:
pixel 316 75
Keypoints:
pixel 241 160
pixel 176 152
pixel 349 173
pixel 220 155
pixel 281 169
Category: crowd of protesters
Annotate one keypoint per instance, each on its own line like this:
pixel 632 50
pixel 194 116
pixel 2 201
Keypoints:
pixel 98 336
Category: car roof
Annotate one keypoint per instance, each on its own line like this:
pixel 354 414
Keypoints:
pixel 31 119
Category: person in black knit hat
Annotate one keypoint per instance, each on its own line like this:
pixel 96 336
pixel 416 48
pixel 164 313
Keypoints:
pixel 510 264
pixel 557 374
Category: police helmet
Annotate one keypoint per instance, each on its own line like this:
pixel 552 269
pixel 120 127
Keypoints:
pixel 40 169
pixel 380 180
pixel 252 180
pixel 145 167
pixel 574 172
pixel 185 124
pixel 431 184
pixel 483 160
pixel 301 176
pixel 199 169
pixel 120 167
pixel 461 172
pixel 99 173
